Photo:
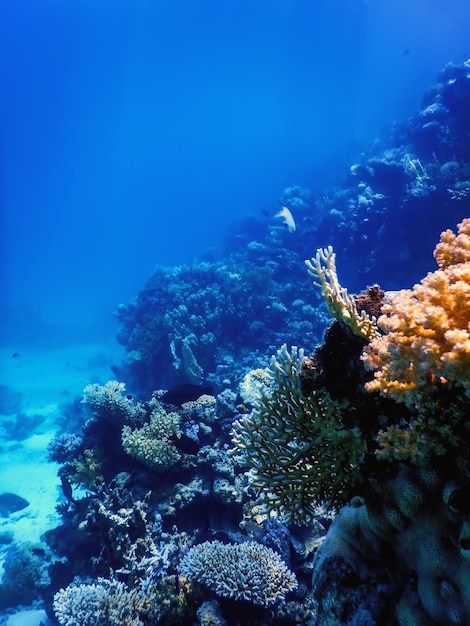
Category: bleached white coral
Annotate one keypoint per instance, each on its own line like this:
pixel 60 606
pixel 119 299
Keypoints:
pixel 108 402
pixel 247 571
pixel 101 603
pixel 254 383
pixel 340 304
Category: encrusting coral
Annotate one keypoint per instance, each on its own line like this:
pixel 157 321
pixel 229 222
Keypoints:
pixel 247 571
pixel 426 330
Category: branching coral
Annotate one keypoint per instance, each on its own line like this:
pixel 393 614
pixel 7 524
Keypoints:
pixel 101 603
pixel 152 444
pixel 108 402
pixel 340 304
pixel 86 470
pixel 300 454
pixel 247 571
pixel 426 339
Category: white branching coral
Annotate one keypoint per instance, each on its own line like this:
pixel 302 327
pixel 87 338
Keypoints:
pixel 101 603
pixel 108 402
pixel 247 571
pixel 340 304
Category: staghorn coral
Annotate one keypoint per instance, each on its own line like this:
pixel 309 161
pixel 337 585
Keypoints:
pixel 340 304
pixel 152 444
pixel 247 571
pixel 301 456
pixel 426 340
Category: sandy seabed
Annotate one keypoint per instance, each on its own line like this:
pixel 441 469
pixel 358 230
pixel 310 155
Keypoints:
pixel 46 379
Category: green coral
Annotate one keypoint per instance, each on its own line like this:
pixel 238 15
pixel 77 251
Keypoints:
pixel 301 455
pixel 86 470
pixel 152 444
pixel 247 571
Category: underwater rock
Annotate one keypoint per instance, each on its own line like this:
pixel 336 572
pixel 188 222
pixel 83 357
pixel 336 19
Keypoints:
pixel 10 503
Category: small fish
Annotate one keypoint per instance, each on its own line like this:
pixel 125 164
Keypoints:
pixel 186 393
pixel 15 355
pixel 288 218
pixel 10 503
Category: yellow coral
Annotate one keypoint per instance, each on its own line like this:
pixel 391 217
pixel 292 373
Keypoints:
pixel 454 249
pixel 427 329
pixel 152 444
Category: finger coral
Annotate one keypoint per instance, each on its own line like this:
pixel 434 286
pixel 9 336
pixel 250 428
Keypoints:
pixel 340 303
pixel 152 444
pixel 247 571
pixel 426 340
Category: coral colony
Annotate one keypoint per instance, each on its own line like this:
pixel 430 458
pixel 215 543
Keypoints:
pixel 329 485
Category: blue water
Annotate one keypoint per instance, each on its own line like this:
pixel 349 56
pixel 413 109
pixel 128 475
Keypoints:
pixel 132 134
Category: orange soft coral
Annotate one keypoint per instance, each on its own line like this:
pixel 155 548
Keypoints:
pixel 426 330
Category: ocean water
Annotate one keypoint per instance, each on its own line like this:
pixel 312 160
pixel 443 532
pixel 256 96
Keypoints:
pixel 151 134
pixel 134 134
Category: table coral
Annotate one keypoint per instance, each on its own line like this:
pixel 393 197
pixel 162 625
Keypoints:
pixel 247 571
pixel 426 338
pixel 103 602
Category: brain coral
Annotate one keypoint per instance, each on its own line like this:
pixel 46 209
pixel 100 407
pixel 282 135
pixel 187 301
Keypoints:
pixel 247 571
pixel 426 340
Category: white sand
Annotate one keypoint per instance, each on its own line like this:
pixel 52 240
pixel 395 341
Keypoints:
pixel 29 618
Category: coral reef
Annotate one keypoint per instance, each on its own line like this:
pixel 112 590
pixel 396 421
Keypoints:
pixel 247 571
pixel 23 575
pixel 413 517
pixel 169 524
